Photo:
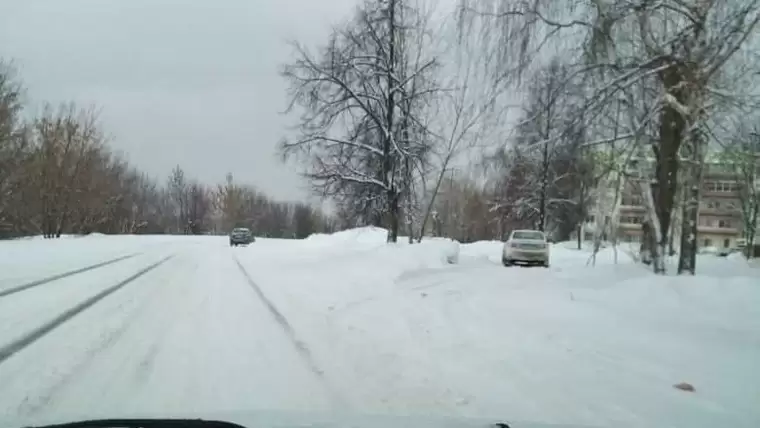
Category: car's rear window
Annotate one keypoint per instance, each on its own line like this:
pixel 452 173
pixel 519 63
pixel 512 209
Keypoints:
pixel 528 235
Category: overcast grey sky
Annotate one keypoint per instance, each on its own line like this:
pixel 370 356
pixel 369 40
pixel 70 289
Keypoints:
pixel 189 82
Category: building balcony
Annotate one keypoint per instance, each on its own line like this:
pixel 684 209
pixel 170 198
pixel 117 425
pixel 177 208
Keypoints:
pixel 720 212
pixel 714 230
pixel 632 209
pixel 721 195
pixel 630 226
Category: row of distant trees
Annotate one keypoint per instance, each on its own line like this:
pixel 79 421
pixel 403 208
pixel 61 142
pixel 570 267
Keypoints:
pixel 403 115
pixel 58 175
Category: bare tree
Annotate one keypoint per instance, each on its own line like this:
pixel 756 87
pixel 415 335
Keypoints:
pixel 462 210
pixel 68 142
pixel 358 124
pixel 199 209
pixel 546 138
pixel 539 173
pixel 13 147
pixel 229 201
pixel 468 111
pixel 178 192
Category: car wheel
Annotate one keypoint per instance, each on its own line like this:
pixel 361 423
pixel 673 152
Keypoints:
pixel 506 262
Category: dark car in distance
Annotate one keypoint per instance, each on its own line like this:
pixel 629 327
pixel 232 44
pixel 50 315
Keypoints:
pixel 241 236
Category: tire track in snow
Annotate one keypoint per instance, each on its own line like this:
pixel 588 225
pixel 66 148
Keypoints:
pixel 18 288
pixel 14 347
pixel 300 347
pixel 110 336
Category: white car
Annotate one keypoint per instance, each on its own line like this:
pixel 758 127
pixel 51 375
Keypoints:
pixel 526 246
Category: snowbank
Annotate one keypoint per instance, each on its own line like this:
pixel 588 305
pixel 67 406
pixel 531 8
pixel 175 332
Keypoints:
pixel 431 251
pixel 482 251
pixel 428 253
pixel 362 235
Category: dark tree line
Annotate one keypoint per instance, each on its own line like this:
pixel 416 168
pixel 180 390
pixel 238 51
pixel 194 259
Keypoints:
pixel 58 176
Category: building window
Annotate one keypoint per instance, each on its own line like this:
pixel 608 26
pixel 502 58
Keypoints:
pixel 724 223
pixel 726 243
pixel 708 242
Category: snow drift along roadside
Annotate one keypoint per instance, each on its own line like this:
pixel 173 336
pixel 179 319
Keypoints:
pixel 428 253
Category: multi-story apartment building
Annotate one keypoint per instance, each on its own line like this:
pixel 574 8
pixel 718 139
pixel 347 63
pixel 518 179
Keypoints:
pixel 720 220
pixel 632 213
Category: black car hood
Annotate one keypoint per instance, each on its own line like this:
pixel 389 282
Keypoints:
pixel 273 419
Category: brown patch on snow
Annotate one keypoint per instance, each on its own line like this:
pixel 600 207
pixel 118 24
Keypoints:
pixel 683 386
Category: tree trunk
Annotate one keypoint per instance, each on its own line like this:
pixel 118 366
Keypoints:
pixel 687 260
pixel 377 218
pixel 581 214
pixel 545 166
pixel 687 257
pixel 429 208
pixel 409 217
pixel 390 108
pixel 544 188
pixel 652 234
pixel 672 126
pixel 751 232
pixel 393 215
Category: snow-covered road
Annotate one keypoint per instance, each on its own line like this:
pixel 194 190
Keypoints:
pixel 187 325
pixel 190 335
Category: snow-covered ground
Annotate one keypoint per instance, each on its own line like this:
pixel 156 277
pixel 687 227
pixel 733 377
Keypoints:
pixel 347 323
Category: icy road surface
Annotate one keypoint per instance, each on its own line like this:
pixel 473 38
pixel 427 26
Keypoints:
pixel 129 326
